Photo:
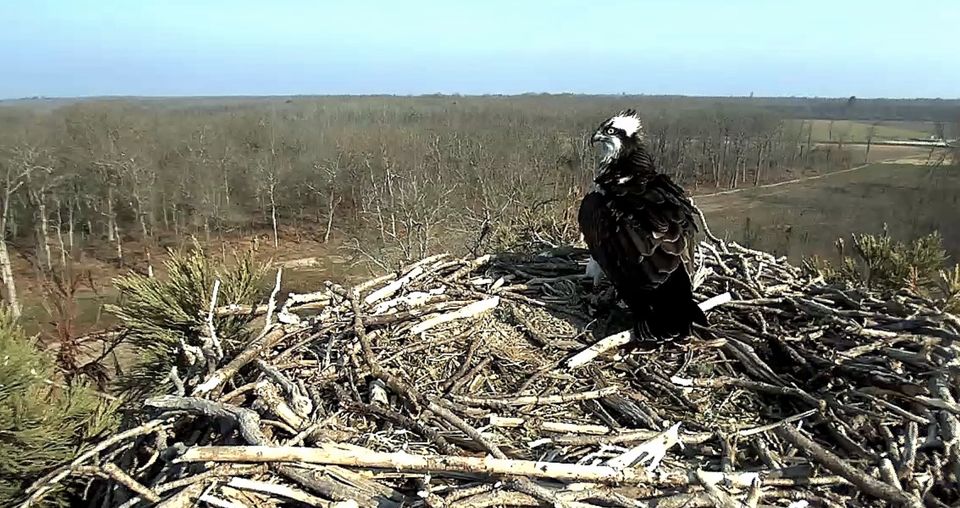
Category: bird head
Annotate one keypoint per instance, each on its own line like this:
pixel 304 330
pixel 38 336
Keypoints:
pixel 618 135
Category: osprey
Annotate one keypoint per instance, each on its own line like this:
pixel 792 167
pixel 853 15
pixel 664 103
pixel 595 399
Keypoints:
pixel 639 228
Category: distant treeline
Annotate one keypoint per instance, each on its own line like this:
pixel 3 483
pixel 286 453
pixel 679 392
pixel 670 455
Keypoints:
pixel 826 108
pixel 399 173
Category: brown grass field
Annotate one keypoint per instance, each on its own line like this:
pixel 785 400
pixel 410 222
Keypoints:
pixel 806 218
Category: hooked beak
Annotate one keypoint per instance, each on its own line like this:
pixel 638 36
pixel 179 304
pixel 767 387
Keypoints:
pixel 596 138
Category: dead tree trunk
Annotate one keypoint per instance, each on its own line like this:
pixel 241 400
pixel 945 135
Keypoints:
pixel 44 232
pixel 8 282
pixel 60 242
pixel 116 236
pixel 6 268
pixel 332 208
pixel 756 176
pixel 273 213
pixel 111 216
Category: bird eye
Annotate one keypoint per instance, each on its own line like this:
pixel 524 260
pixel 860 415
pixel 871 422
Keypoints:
pixel 610 131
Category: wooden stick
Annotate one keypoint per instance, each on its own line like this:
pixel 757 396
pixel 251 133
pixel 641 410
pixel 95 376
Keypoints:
pixel 211 328
pixel 47 483
pixel 834 463
pixel 391 288
pixel 472 310
pixel 111 471
pixel 603 345
pixel 262 344
pixel 283 491
pixel 537 425
pixel 652 451
pixel 715 301
pixel 537 399
pixel 354 456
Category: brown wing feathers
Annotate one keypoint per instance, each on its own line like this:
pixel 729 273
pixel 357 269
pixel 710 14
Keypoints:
pixel 641 236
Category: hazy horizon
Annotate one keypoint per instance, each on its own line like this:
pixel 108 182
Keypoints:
pixel 87 48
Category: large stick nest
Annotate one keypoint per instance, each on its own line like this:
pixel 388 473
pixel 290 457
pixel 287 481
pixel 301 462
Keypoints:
pixel 439 384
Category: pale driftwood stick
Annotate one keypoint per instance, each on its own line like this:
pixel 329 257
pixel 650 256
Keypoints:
pixel 260 345
pixel 624 437
pixel 770 426
pixel 834 463
pixel 754 495
pixel 720 382
pixel 715 301
pixel 217 472
pixel 272 400
pixel 619 339
pixel 42 486
pixel 706 228
pixel 285 491
pixel 355 456
pixel 340 455
pixel 415 312
pixel 811 480
pixel 186 498
pixel 720 498
pixel 367 284
pixel 603 345
pixel 111 471
pixel 652 451
pixel 908 458
pixel 272 303
pixel 537 425
pixel 391 288
pixel 411 300
pixel 212 500
pixel 471 265
pixel 472 310
pixel 535 400
pixel 211 329
pixel 889 474
pixel 297 300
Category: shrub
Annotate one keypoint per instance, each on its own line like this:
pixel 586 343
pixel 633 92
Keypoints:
pixel 43 423
pixel 885 264
pixel 162 315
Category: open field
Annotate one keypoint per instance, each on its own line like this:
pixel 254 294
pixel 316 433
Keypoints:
pixel 806 218
pixel 851 131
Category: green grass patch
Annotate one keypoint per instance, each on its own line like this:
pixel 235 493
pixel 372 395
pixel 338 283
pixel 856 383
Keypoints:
pixel 852 131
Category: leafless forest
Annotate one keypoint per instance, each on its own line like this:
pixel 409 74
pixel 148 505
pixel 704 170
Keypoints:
pixel 388 178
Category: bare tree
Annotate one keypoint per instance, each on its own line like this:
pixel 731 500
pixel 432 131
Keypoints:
pixel 22 162
pixel 871 132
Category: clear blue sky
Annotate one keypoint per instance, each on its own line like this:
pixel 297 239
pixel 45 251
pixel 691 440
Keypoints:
pixel 231 47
